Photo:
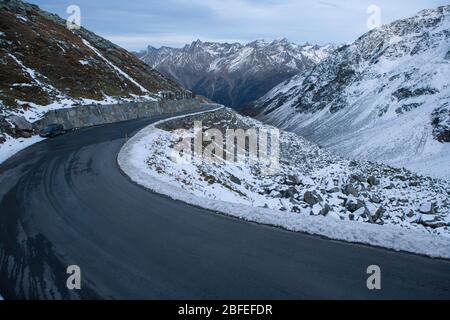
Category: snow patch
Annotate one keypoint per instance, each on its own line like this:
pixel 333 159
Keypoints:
pixel 120 71
pixel 11 146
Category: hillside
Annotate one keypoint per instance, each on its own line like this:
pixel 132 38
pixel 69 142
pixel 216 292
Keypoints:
pixel 385 97
pixel 44 65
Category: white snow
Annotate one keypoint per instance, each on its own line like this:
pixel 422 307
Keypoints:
pixel 83 62
pixel 151 143
pixel 426 207
pixel 11 146
pixel 120 71
pixel 22 18
pixel 35 76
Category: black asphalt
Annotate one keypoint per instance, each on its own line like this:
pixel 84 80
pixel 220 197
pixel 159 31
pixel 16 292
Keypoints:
pixel 65 202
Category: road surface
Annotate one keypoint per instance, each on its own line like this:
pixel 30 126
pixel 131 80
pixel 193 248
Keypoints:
pixel 65 202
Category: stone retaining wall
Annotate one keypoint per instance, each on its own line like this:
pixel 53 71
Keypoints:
pixel 92 115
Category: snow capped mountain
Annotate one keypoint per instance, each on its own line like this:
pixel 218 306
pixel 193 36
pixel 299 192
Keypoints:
pixel 385 97
pixel 43 63
pixel 234 74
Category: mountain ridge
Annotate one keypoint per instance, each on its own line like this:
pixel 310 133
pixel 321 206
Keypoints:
pixel 233 73
pixel 385 97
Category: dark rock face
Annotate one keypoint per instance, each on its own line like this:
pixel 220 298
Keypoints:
pixel 441 123
pixel 21 123
pixel 234 74
pixel 405 93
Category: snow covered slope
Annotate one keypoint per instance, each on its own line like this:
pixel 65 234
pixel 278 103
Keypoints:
pixel 385 97
pixel 234 74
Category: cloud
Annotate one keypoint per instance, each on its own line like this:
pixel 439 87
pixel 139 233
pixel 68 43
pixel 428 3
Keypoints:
pixel 138 23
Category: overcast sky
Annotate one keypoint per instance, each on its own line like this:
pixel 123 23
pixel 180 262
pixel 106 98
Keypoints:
pixel 135 24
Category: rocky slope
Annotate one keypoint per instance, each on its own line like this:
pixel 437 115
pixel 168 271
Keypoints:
pixel 44 65
pixel 234 74
pixel 385 97
pixel 312 190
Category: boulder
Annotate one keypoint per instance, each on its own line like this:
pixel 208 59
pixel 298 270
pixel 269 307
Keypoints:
pixel 235 180
pixel 325 210
pixel 292 192
pixel 334 190
pixel 276 194
pixel 362 212
pixel 373 181
pixel 289 193
pixel 307 181
pixel 293 180
pixel 21 123
pixel 354 205
pixel 357 178
pixel 316 210
pixel 390 186
pixel 427 208
pixel 375 199
pixel 311 198
pixel 350 190
pixel 432 221
pixel 379 214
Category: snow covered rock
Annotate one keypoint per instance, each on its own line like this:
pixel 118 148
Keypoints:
pixel 426 208
pixel 21 123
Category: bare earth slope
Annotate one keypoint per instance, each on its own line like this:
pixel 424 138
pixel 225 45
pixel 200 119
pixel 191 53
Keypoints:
pixel 42 62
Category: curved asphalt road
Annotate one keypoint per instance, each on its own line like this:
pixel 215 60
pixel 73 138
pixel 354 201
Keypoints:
pixel 65 202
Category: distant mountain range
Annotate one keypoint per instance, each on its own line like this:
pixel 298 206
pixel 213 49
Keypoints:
pixel 234 74
pixel 385 97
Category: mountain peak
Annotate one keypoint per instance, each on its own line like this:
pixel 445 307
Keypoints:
pixel 207 67
pixel 391 86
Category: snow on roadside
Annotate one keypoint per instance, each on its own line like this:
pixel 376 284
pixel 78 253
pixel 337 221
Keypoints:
pixel 11 146
pixel 133 159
